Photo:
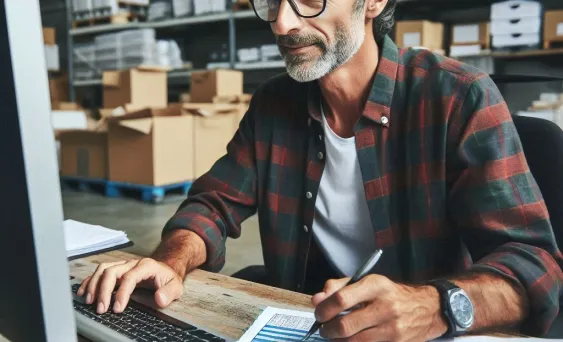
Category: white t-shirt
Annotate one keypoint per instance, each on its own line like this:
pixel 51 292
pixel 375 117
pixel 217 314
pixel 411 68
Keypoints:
pixel 342 224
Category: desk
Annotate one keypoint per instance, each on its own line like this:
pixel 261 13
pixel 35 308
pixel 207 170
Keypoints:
pixel 219 304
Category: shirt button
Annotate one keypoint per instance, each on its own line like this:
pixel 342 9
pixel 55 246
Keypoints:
pixel 306 229
pixel 384 120
pixel 320 137
pixel 320 155
pixel 309 195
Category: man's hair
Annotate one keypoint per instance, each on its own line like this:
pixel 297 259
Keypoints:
pixel 383 24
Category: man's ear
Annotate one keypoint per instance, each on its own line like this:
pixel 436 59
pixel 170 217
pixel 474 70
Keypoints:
pixel 374 8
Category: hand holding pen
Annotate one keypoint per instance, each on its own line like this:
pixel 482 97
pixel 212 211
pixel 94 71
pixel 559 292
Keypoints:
pixel 368 265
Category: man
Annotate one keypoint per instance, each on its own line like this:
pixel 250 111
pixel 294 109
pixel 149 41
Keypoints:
pixel 366 146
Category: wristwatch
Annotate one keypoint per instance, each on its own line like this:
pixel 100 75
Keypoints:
pixel 456 307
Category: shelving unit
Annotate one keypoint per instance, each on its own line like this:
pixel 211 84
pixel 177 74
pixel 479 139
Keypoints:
pixel 228 16
pixel 405 9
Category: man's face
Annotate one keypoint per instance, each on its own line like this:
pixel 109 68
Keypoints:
pixel 313 47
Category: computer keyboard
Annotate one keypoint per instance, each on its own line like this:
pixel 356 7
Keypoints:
pixel 142 326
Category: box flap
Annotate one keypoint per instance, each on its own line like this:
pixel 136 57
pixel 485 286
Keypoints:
pixel 244 98
pixel 171 110
pixel 209 109
pixel 111 78
pixel 140 125
pixel 152 68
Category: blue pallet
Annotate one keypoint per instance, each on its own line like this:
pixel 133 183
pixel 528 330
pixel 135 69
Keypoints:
pixel 152 194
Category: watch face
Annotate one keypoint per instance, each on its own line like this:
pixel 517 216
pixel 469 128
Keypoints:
pixel 462 309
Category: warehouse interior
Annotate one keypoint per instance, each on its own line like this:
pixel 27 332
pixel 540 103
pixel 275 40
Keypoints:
pixel 115 57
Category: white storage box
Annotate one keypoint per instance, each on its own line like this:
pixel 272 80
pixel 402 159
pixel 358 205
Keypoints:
pixel 512 40
pixel 182 7
pixel 202 7
pixel 82 9
pixel 515 9
pixel 248 55
pixel 463 34
pixel 69 119
pixel 523 25
pixel 218 5
pixel 52 57
pixel 102 8
pixel 465 50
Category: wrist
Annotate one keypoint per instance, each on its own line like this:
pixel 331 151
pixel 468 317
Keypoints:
pixel 182 251
pixel 437 322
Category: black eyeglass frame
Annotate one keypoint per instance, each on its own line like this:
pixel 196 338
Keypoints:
pixel 295 9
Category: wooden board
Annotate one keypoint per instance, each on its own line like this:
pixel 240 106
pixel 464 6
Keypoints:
pixel 527 53
pixel 113 20
pixel 220 304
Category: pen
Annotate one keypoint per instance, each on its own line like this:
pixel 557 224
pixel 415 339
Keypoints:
pixel 360 273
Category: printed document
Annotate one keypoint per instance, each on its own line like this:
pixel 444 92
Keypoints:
pixel 281 325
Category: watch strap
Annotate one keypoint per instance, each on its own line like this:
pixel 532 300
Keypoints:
pixel 443 287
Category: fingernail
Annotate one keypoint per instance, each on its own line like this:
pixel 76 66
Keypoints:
pixel 88 299
pixel 116 306
pixel 163 298
pixel 100 307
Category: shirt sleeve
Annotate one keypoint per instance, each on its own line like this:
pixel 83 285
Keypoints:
pixel 498 207
pixel 220 200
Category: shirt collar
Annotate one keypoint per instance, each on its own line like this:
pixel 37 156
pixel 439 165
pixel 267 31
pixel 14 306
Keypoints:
pixel 378 105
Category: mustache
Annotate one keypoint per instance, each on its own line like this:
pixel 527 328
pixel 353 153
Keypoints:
pixel 294 39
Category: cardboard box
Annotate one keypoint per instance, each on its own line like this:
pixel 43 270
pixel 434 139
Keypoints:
pixel 84 153
pixel 184 97
pixel 65 106
pixel 214 126
pixel 205 85
pixel 420 33
pixel 472 34
pixel 553 26
pixel 151 147
pixel 139 87
pixel 58 88
pixel 49 36
pixel 172 145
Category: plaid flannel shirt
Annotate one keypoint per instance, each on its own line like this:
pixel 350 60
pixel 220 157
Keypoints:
pixel 445 178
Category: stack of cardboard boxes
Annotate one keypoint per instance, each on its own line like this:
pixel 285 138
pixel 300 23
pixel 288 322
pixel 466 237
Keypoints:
pixel 420 34
pixel 142 139
pixel 470 39
pixel 553 29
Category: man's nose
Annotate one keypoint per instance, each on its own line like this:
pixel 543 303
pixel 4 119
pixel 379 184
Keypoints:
pixel 287 20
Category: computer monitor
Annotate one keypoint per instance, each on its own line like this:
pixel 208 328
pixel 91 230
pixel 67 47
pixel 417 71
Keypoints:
pixel 35 298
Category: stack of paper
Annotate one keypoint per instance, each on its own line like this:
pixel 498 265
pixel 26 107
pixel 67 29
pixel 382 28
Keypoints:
pixel 85 239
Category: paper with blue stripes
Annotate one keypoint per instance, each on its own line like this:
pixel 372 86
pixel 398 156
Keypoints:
pixel 281 325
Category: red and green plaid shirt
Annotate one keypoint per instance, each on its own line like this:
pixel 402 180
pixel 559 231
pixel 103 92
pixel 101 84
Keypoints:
pixel 445 179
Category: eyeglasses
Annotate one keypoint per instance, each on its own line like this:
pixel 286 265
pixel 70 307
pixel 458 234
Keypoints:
pixel 268 10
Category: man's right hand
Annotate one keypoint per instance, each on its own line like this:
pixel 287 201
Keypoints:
pixel 146 273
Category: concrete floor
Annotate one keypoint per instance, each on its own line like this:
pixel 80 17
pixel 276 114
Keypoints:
pixel 143 224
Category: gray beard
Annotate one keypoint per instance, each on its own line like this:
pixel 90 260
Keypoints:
pixel 346 45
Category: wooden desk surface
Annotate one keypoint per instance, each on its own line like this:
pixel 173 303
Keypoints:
pixel 219 304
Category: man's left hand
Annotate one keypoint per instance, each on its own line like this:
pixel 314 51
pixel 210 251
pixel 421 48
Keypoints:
pixel 381 310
